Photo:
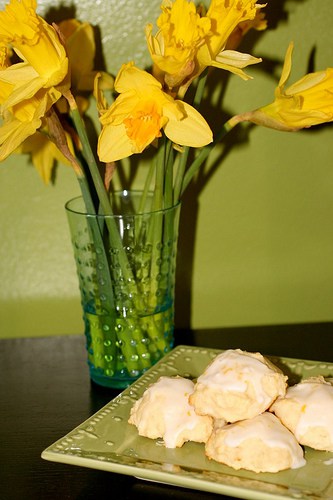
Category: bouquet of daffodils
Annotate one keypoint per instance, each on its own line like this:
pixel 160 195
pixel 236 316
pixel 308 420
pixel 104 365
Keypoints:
pixel 46 88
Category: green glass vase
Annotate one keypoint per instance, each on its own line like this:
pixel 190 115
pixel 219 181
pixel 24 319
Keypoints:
pixel 126 268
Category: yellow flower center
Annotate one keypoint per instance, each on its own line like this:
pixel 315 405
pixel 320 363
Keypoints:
pixel 183 29
pixel 144 124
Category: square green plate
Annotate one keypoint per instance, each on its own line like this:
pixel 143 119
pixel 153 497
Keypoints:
pixel 106 441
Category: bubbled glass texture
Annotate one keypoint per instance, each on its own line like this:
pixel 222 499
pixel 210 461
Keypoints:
pixel 127 286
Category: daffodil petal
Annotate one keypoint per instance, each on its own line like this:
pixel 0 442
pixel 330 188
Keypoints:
pixel 307 82
pixel 130 77
pixel 23 93
pixel 114 144
pixel 101 102
pixel 286 66
pixel 42 157
pixel 232 69
pixel 13 133
pixel 174 110
pixel 120 108
pixel 153 42
pixel 16 83
pixel 24 119
pixel 192 130
pixel 236 59
pixel 80 41
pixel 44 154
pixel 44 163
pixel 18 74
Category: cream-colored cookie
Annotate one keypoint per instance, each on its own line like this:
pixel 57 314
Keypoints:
pixel 307 410
pixel 259 444
pixel 164 412
pixel 237 385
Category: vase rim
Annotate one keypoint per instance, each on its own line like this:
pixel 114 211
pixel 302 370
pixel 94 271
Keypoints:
pixel 124 193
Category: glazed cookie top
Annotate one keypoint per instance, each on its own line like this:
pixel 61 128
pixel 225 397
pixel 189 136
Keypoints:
pixel 164 411
pixel 238 444
pixel 312 404
pixel 234 369
pixel 269 429
pixel 237 385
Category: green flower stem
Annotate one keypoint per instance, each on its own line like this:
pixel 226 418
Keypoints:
pixel 104 301
pixel 168 181
pixel 155 226
pixel 204 153
pixel 97 237
pixel 129 351
pixel 159 178
pixel 143 201
pixel 130 328
pixel 169 223
pixel 146 188
pixel 102 194
pixel 200 89
pixel 184 155
pixel 89 157
pixel 180 173
pixel 163 251
pixel 162 195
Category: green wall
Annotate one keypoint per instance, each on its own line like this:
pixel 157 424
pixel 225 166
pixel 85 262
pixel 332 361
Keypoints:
pixel 256 243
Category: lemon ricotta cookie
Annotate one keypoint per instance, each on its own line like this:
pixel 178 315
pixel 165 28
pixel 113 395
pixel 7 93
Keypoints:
pixel 164 411
pixel 260 444
pixel 237 385
pixel 307 410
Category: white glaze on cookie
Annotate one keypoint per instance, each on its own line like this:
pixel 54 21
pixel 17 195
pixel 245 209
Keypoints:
pixel 307 410
pixel 238 385
pixel 164 412
pixel 260 444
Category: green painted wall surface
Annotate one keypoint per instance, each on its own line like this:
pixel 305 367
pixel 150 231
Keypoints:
pixel 256 244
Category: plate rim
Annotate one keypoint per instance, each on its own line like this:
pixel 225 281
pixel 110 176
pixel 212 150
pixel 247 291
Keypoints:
pixel 171 478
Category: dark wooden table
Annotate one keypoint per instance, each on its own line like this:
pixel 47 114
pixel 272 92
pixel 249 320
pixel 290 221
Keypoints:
pixel 46 392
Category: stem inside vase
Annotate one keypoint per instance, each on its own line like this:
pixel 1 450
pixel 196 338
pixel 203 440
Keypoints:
pixel 127 338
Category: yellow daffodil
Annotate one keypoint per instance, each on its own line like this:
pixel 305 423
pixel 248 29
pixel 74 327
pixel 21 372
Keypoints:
pixel 187 42
pixel 23 119
pixel 44 61
pixel 181 33
pixel 307 102
pixel 26 95
pixel 140 112
pixel 44 154
pixel 79 39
